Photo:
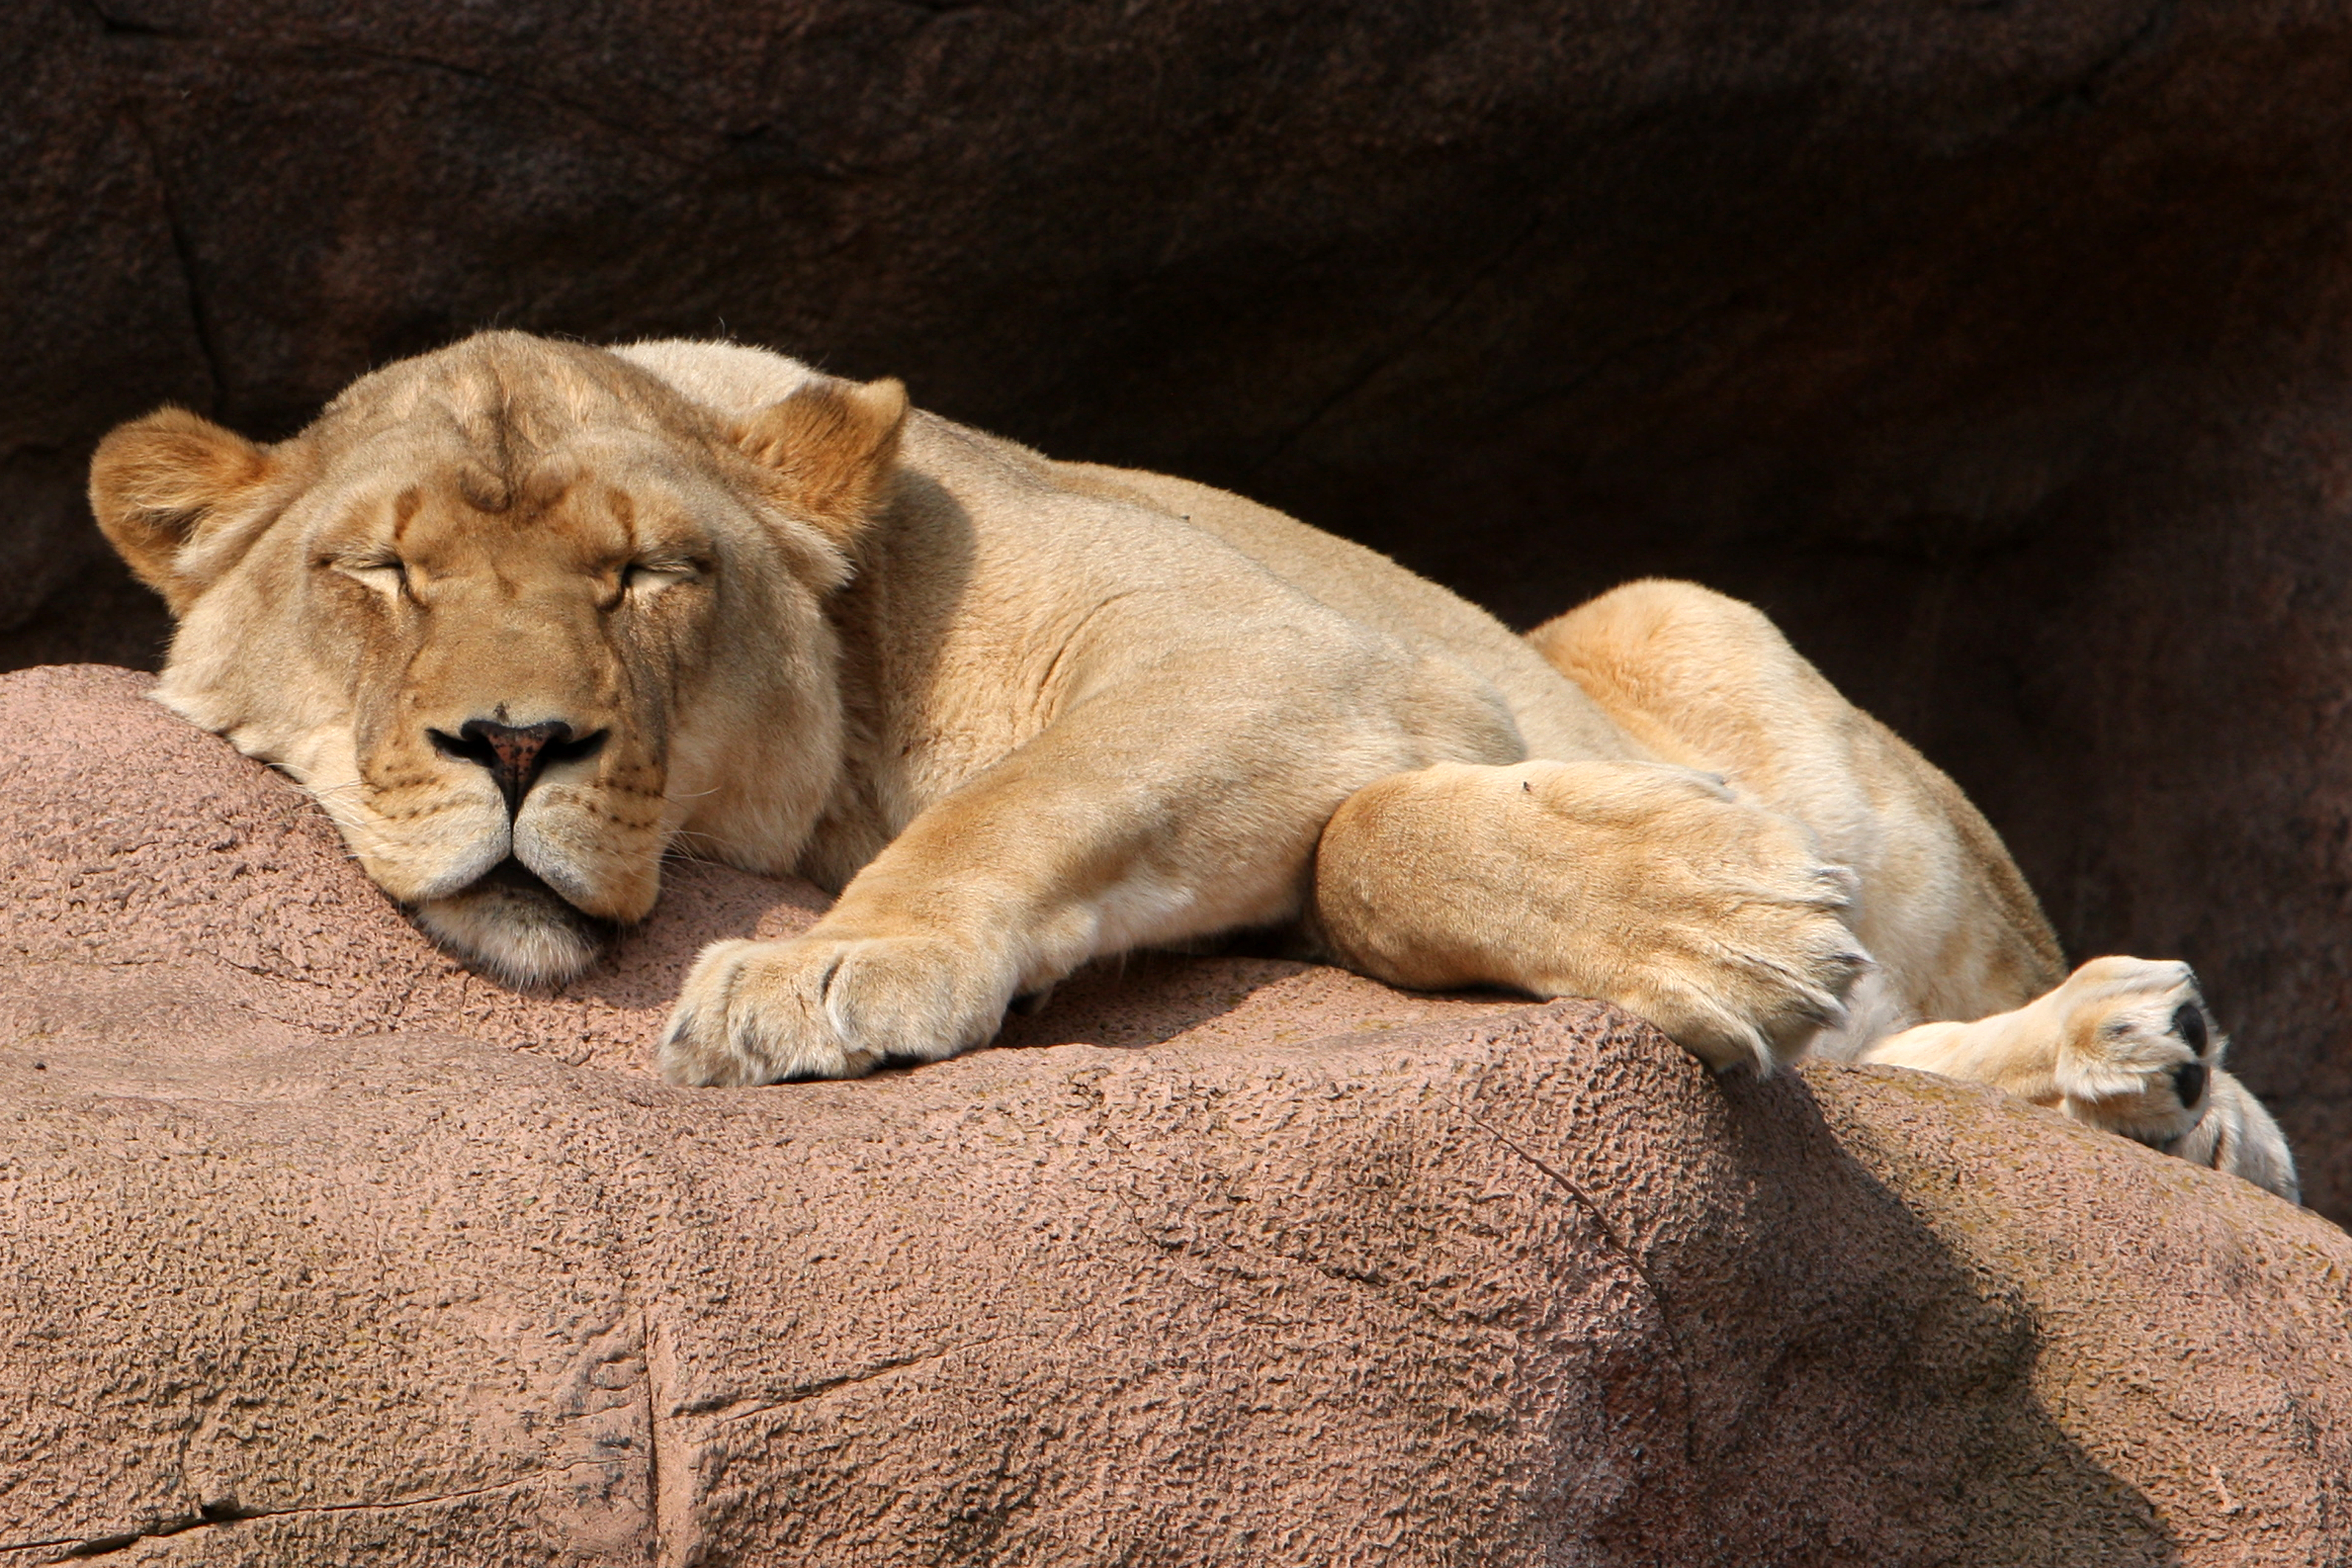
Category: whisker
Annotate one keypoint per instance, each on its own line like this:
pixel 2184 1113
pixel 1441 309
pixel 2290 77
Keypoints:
pixel 707 839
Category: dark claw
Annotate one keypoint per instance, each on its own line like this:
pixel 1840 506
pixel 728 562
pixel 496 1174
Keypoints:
pixel 2188 1022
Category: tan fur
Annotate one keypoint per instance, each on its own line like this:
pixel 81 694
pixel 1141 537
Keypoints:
pixel 1657 886
pixel 1968 979
pixel 2107 1047
pixel 1021 713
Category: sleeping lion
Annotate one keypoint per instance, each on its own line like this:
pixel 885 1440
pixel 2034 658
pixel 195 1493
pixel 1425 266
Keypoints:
pixel 524 616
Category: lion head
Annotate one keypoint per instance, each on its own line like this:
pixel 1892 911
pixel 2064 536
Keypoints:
pixel 520 614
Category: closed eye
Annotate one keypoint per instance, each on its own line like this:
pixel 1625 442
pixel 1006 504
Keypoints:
pixel 650 576
pixel 387 576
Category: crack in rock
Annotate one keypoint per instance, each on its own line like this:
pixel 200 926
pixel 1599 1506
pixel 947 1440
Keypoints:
pixel 736 1409
pixel 122 1541
pixel 1622 1245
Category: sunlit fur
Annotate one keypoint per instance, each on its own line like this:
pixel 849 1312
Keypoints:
pixel 1022 713
pixel 1966 978
pixel 510 529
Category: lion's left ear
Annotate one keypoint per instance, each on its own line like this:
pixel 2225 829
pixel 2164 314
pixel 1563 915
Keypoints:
pixel 831 445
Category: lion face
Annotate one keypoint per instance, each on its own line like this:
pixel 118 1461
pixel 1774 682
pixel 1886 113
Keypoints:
pixel 518 615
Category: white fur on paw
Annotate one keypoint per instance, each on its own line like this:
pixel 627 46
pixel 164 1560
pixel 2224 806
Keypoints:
pixel 765 1012
pixel 2237 1135
pixel 2137 1049
pixel 2142 1057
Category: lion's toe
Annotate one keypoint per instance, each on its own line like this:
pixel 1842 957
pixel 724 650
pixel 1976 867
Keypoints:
pixel 2237 1135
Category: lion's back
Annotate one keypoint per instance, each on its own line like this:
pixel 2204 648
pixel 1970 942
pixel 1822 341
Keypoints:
pixel 1557 719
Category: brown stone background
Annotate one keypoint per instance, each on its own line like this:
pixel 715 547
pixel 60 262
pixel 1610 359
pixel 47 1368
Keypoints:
pixel 1999 348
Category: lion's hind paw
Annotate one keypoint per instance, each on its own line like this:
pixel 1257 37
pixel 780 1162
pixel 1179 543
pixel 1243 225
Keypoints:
pixel 2136 1047
pixel 2237 1135
pixel 2140 1056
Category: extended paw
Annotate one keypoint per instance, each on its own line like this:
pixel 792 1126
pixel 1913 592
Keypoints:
pixel 2140 1056
pixel 763 1012
pixel 2136 1047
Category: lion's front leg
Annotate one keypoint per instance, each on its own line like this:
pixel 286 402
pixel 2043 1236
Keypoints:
pixel 916 962
pixel 1652 887
pixel 1117 828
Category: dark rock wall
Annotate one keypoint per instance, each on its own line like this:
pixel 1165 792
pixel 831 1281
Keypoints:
pixel 2001 349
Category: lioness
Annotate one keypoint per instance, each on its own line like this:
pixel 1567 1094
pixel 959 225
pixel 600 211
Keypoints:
pixel 526 615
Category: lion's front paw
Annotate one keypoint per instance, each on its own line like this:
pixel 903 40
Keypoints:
pixel 1656 887
pixel 763 1012
pixel 2135 1046
pixel 1745 953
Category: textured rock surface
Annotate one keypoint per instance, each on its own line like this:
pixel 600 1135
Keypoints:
pixel 314 1250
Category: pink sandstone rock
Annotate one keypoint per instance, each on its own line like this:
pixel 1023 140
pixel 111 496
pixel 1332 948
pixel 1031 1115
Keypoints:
pixel 314 1249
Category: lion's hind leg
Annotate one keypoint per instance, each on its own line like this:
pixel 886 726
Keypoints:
pixel 1705 680
pixel 2124 1044
pixel 1650 886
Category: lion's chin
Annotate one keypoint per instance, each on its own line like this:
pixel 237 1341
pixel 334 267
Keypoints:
pixel 516 928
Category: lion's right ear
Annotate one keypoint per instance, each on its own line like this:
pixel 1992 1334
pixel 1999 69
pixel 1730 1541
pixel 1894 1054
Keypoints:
pixel 162 486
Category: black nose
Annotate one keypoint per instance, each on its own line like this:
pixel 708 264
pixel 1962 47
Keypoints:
pixel 2189 1082
pixel 516 754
